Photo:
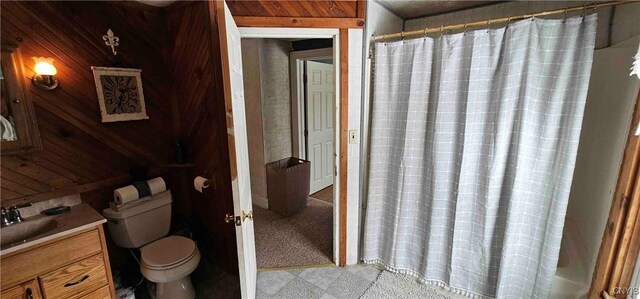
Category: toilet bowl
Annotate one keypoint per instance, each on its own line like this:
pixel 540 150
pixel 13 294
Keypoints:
pixel 166 261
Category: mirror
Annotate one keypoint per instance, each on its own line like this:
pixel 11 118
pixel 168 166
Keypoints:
pixel 18 126
pixel 7 124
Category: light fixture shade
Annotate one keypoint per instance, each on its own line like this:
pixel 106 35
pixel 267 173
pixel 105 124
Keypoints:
pixel 635 69
pixel 44 66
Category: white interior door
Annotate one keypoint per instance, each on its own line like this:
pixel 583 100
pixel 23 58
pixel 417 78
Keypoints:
pixel 242 183
pixel 320 123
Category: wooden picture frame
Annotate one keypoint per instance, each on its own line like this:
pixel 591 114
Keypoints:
pixel 120 94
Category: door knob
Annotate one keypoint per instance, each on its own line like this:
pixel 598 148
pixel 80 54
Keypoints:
pixel 228 218
pixel 247 215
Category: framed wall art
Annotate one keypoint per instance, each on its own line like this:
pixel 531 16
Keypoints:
pixel 120 94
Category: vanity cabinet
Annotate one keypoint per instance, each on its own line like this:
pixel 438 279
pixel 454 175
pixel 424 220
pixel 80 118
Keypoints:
pixel 74 266
pixel 27 290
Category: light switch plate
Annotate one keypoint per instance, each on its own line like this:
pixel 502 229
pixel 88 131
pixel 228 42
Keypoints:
pixel 353 137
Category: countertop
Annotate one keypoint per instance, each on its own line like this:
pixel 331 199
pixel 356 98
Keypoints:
pixel 81 217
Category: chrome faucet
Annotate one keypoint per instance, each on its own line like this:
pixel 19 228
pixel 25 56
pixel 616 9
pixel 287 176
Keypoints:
pixel 5 217
pixel 13 215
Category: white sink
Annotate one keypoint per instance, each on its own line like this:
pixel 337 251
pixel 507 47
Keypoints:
pixel 26 230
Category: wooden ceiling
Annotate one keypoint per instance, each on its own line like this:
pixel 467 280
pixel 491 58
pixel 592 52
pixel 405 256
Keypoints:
pixel 409 9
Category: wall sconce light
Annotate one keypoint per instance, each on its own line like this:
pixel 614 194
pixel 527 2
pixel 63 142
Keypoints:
pixel 45 72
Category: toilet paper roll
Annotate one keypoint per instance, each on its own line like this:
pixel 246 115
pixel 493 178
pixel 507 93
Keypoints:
pixel 157 185
pixel 200 183
pixel 125 195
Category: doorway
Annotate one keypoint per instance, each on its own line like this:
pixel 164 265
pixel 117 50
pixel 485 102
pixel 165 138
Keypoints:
pixel 286 120
pixel 313 102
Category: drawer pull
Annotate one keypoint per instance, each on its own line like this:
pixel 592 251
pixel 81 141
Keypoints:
pixel 70 284
pixel 28 293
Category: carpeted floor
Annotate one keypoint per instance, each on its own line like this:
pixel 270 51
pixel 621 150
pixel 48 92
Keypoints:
pixel 305 238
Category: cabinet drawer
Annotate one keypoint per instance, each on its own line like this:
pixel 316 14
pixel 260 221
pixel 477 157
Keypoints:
pixel 101 293
pixel 75 280
pixel 27 264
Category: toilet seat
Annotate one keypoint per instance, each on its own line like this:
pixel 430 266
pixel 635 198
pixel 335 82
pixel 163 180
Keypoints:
pixel 168 252
pixel 169 258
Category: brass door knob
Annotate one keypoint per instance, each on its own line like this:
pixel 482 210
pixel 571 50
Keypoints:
pixel 228 218
pixel 247 215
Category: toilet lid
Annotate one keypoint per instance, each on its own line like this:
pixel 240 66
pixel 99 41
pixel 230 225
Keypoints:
pixel 168 251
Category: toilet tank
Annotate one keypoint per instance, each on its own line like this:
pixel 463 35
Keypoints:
pixel 140 224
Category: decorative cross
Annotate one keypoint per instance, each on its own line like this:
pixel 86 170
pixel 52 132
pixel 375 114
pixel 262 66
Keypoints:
pixel 111 40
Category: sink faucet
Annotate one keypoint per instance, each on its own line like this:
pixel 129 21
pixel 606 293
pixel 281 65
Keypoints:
pixel 5 216
pixel 13 215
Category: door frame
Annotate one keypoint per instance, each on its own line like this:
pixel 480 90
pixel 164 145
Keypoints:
pixel 296 68
pixel 340 64
pixel 620 243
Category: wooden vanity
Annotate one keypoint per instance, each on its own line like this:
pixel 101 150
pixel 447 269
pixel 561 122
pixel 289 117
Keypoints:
pixel 70 262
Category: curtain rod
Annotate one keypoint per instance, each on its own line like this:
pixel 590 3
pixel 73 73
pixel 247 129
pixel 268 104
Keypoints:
pixel 423 32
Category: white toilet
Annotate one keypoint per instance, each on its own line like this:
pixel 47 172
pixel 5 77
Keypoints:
pixel 165 261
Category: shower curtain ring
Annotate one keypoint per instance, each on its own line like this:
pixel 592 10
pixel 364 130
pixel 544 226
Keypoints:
pixel 488 25
pixel 566 10
pixel 464 29
pixel 426 31
pixel 441 30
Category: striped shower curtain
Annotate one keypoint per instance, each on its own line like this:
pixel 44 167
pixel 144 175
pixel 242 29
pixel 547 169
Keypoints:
pixel 473 145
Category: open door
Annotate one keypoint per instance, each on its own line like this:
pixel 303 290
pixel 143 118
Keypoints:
pixel 238 147
pixel 320 124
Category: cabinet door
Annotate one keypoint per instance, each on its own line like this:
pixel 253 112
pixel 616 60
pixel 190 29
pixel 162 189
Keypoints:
pixel 27 290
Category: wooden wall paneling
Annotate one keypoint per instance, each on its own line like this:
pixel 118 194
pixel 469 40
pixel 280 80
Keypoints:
pixel 246 21
pixel 361 8
pixel 323 9
pixel 32 170
pixel 619 209
pixel 300 14
pixel 23 180
pixel 196 67
pixel 79 151
pixel 344 117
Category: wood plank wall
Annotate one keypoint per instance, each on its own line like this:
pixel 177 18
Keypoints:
pixel 80 153
pixel 315 9
pixel 195 63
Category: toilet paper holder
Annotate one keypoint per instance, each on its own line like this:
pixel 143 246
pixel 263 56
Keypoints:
pixel 200 183
pixel 206 184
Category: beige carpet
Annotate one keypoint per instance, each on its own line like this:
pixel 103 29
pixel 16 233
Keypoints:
pixel 305 238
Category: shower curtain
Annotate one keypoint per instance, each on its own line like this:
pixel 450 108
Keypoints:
pixel 473 145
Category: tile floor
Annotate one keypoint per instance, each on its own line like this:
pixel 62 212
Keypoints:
pixel 324 282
